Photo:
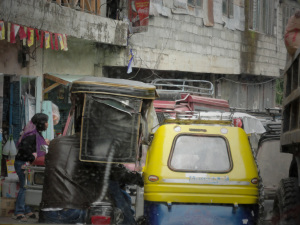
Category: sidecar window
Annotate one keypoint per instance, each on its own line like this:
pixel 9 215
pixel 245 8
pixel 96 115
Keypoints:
pixel 200 154
pixel 109 120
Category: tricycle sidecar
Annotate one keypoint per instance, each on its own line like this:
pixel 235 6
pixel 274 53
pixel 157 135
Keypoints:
pixel 200 172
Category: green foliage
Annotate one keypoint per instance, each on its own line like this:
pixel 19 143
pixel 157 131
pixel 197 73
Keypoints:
pixel 279 92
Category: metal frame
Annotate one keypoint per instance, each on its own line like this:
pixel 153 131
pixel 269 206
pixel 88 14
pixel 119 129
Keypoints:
pixel 182 86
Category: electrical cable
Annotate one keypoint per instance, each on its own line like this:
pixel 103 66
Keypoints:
pixel 237 82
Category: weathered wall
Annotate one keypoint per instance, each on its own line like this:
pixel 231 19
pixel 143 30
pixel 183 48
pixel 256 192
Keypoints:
pixel 11 63
pixel 82 58
pixel 177 39
pixel 57 19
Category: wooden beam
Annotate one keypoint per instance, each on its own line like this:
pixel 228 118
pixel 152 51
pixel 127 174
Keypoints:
pixel 66 3
pixel 93 4
pixel 50 88
pixel 98 7
pixel 58 2
pixel 88 5
pixel 56 79
pixel 82 5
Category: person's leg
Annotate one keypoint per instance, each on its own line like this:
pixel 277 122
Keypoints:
pixel 21 208
pixel 128 200
pixel 65 216
pixel 120 201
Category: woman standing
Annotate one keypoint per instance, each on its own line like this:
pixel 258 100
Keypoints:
pixel 28 149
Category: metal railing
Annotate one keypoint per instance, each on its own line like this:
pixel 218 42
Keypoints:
pixel 199 87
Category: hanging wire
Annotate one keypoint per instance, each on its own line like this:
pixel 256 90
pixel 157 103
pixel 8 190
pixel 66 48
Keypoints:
pixel 249 84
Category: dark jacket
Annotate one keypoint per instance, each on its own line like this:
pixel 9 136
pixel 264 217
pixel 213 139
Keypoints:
pixel 71 183
pixel 26 148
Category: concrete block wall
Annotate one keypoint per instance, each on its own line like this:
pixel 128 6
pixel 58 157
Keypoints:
pixel 182 42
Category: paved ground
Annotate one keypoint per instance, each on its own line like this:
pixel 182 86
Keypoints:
pixel 9 220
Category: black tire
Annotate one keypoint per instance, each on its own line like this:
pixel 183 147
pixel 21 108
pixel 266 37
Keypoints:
pixel 286 207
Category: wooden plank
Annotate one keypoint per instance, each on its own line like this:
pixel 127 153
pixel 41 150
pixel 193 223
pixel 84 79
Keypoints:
pixel 56 79
pixel 66 3
pixel 292 97
pixel 82 5
pixel 98 7
pixel 58 2
pixel 88 5
pixel 51 87
pixel 93 4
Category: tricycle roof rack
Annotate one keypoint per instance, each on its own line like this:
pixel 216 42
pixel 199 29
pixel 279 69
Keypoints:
pixel 199 87
pixel 250 123
pixel 189 117
pixel 121 87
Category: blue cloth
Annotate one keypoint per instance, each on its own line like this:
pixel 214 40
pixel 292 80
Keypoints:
pixel 122 202
pixel 21 208
pixel 65 216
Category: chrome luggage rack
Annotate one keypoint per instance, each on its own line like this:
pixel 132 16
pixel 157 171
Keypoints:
pixel 171 116
pixel 198 87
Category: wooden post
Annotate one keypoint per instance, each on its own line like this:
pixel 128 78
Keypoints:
pixel 98 7
pixel 82 5
pixel 88 5
pixel 93 3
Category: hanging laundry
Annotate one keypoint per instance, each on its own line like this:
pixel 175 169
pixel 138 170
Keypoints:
pixel 30 36
pixel 37 34
pixel 22 33
pixel 25 40
pixel 51 41
pixel 47 39
pixel 2 29
pixel 61 41
pixel 13 32
pixel 8 32
pixel 130 64
pixel 65 42
pixel 42 39
pixel 56 41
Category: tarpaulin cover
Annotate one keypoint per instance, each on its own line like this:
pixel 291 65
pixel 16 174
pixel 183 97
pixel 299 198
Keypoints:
pixel 115 87
pixel 109 119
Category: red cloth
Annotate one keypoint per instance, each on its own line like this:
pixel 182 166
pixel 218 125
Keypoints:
pixel 37 34
pixel 56 42
pixel 22 33
pixel 12 34
pixel 42 39
pixel 51 41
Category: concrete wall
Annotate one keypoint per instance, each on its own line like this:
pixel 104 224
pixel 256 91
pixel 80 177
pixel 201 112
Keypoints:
pixel 57 19
pixel 82 58
pixel 178 40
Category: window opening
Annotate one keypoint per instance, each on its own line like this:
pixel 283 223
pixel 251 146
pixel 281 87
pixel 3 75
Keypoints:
pixel 195 153
pixel 196 3
pixel 227 8
pixel 262 16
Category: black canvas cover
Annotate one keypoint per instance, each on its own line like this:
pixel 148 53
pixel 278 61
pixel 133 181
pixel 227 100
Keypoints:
pixel 114 87
pixel 111 116
pixel 109 119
